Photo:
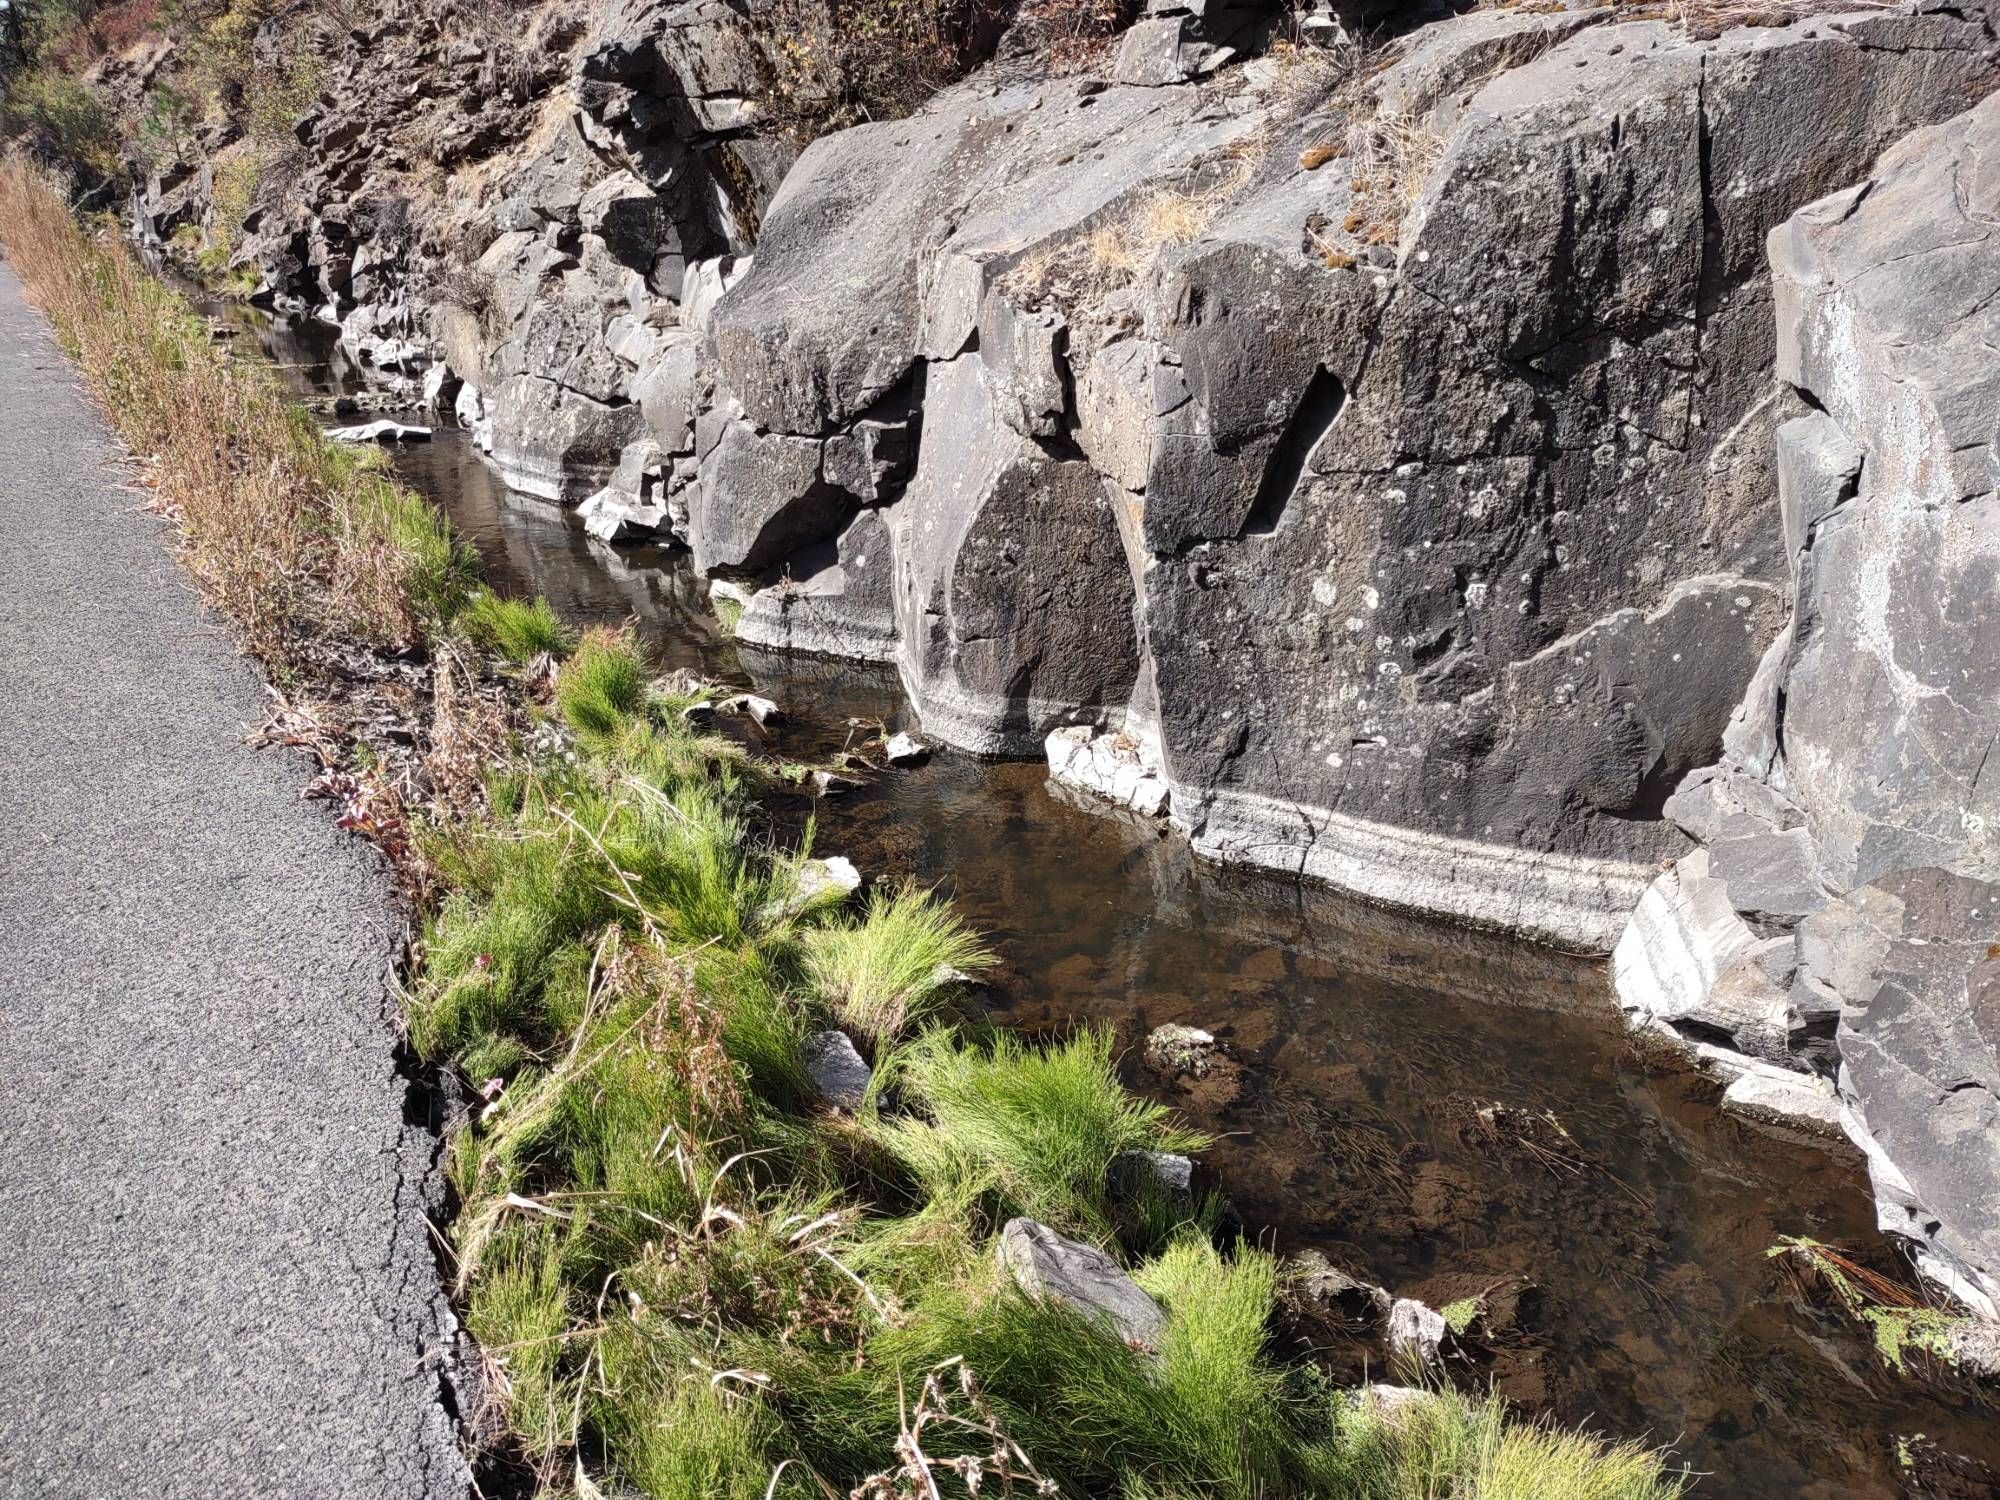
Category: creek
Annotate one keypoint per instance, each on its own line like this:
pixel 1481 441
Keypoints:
pixel 1625 1232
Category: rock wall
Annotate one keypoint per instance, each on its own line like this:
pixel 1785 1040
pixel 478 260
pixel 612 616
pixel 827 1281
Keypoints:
pixel 1447 545
pixel 1379 444
pixel 1373 457
pixel 1842 913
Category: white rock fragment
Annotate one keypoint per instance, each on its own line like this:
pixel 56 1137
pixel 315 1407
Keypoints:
pixel 383 431
pixel 762 711
pixel 612 516
pixel 1416 1331
pixel 1111 766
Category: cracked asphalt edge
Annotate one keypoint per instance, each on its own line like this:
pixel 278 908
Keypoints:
pixel 220 1276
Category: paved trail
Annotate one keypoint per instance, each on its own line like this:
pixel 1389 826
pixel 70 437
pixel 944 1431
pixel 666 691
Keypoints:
pixel 214 1275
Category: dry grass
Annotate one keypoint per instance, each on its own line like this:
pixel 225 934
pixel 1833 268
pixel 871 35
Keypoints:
pixel 1310 73
pixel 1390 157
pixel 1708 17
pixel 1077 273
pixel 291 537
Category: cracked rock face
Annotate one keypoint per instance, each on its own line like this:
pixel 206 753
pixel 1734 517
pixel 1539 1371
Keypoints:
pixel 1911 957
pixel 1847 831
pixel 1396 463
pixel 1444 560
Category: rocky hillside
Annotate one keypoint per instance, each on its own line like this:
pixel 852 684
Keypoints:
pixel 1481 460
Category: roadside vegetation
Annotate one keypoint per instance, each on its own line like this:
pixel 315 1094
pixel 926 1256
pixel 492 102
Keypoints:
pixel 689 1275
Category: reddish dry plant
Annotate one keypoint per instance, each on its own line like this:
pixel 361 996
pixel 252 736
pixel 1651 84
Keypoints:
pixel 370 802
pixel 682 1031
pixel 468 734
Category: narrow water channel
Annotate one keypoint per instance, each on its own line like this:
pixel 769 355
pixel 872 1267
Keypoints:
pixel 1632 1255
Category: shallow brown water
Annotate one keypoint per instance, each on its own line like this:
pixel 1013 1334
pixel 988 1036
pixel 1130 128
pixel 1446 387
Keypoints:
pixel 1635 1249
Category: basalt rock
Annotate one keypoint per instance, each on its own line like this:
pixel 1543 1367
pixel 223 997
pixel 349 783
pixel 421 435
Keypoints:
pixel 1847 849
pixel 1426 540
pixel 1394 462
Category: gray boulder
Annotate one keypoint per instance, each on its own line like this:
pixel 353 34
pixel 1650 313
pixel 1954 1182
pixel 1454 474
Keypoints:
pixel 1044 1264
pixel 1910 957
pixel 838 1071
pixel 553 442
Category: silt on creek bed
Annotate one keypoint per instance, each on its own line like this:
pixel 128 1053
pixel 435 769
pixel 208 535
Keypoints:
pixel 1444 1112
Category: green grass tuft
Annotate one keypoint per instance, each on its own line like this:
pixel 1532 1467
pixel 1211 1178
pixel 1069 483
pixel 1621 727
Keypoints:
pixel 519 629
pixel 1031 1130
pixel 602 687
pixel 894 966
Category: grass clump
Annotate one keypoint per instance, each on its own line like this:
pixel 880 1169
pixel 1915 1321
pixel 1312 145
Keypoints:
pixel 602 686
pixel 1028 1130
pixel 518 629
pixel 895 966
pixel 1445 1444
pixel 757 1298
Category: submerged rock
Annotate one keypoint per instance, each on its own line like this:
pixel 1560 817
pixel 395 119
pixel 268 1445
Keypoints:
pixel 1183 1051
pixel 1346 1301
pixel 1044 1264
pixel 1136 1173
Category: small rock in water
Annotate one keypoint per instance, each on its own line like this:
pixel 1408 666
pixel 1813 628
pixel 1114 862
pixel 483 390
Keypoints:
pixel 838 1070
pixel 1343 1299
pixel 383 431
pixel 1044 1264
pixel 906 750
pixel 831 784
pixel 1416 1332
pixel 1183 1051
pixel 762 710
pixel 835 873
pixel 613 517
pixel 1132 1172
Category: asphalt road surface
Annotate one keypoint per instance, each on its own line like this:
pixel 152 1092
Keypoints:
pixel 215 1278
